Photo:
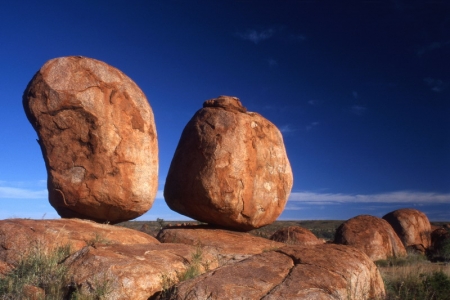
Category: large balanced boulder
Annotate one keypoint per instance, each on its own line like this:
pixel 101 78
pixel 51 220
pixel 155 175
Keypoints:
pixel 324 271
pixel 295 235
pixel 230 168
pixel 412 227
pixel 372 235
pixel 97 135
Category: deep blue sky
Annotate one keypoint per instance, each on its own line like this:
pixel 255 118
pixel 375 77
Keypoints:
pixel 361 92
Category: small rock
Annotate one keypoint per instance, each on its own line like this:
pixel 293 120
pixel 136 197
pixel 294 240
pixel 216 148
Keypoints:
pixel 295 235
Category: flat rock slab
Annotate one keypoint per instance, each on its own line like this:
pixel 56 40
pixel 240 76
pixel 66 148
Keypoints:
pixel 134 271
pixel 230 168
pixel 372 235
pixel 18 236
pixel 231 246
pixel 98 138
pixel 323 271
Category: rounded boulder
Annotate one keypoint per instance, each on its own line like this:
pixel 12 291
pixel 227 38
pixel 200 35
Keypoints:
pixel 230 168
pixel 98 138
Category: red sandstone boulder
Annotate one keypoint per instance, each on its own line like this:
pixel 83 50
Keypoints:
pixel 231 246
pixel 295 235
pixel 135 272
pixel 230 168
pixel 412 227
pixel 19 236
pixel 98 138
pixel 324 271
pixel 374 236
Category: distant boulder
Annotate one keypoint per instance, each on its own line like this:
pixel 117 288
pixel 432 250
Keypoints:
pixel 97 134
pixel 295 235
pixel 230 168
pixel 412 227
pixel 374 236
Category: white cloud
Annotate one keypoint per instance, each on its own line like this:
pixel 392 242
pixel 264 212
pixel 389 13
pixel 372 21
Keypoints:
pixel 20 193
pixel 392 197
pixel 256 36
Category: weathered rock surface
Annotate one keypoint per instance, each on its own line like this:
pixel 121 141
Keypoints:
pixel 322 271
pixel 230 168
pixel 231 246
pixel 135 271
pixel 374 236
pixel 440 243
pixel 18 236
pixel 98 138
pixel 412 227
pixel 295 235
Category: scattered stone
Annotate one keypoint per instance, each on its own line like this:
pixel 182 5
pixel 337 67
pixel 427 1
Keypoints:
pixel 412 227
pixel 295 235
pixel 231 246
pixel 373 236
pixel 97 134
pixel 230 168
pixel 19 236
pixel 323 271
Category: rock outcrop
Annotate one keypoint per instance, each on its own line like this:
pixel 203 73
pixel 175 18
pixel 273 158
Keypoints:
pixel 135 272
pixel 323 271
pixel 374 236
pixel 412 227
pixel 295 235
pixel 230 168
pixel 97 134
pixel 231 246
pixel 19 236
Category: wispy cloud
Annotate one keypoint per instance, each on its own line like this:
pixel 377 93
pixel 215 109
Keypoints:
pixel 272 62
pixel 436 85
pixel 287 129
pixel 358 110
pixel 312 125
pixel 255 36
pixel 314 102
pixel 298 37
pixel 430 47
pixel 20 193
pixel 355 94
pixel 392 197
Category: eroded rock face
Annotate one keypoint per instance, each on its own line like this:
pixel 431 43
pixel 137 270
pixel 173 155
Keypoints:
pixel 98 138
pixel 324 271
pixel 230 168
pixel 231 246
pixel 412 227
pixel 134 271
pixel 295 235
pixel 19 236
pixel 374 236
